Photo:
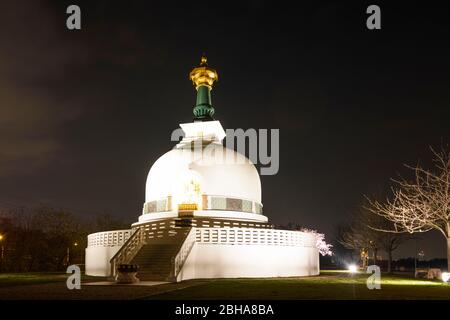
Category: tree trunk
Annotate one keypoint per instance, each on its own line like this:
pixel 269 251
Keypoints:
pixel 363 258
pixel 30 265
pixel 448 254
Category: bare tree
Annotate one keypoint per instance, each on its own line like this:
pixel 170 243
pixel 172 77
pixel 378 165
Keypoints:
pixel 362 234
pixel 386 241
pixel 353 237
pixel 422 204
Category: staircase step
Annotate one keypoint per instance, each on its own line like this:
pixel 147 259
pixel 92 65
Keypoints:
pixel 155 260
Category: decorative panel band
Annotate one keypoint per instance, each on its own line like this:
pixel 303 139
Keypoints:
pixel 162 205
pixel 207 203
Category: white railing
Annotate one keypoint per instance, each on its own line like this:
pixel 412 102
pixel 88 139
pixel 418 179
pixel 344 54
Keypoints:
pixel 183 253
pixel 239 236
pixel 109 238
pixel 249 236
pixel 148 233
pixel 130 248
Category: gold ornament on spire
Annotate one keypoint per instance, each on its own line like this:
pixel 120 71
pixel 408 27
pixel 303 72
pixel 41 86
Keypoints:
pixel 203 75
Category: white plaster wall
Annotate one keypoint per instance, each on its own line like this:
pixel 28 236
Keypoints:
pixel 97 260
pixel 236 261
pixel 235 179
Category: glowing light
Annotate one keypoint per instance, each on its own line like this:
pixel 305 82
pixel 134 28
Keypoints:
pixel 445 276
pixel 1 237
pixel 352 268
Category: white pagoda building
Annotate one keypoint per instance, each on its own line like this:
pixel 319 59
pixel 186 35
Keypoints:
pixel 203 215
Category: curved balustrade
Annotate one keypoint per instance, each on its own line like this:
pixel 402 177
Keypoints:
pixel 109 238
pixel 131 241
pixel 249 236
pixel 239 237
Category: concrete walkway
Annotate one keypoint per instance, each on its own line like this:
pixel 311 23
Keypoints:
pixel 91 291
pixel 112 283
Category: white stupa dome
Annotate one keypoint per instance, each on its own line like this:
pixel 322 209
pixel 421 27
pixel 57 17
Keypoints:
pixel 233 178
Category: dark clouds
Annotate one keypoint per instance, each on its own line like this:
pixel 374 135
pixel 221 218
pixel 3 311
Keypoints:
pixel 50 78
pixel 34 57
pixel 84 114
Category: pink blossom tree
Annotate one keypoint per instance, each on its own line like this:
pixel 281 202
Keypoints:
pixel 324 248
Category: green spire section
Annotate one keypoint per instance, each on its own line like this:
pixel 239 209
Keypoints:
pixel 203 109
pixel 203 77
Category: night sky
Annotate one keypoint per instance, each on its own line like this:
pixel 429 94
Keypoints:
pixel 84 114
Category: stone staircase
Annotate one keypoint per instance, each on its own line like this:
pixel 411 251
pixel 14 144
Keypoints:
pixel 155 261
pixel 159 252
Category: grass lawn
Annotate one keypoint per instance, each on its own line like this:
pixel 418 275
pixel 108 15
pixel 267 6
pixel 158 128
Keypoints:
pixel 21 279
pixel 329 285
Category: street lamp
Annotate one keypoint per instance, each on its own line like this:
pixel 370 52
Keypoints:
pixel 352 268
pixel 75 244
pixel 416 253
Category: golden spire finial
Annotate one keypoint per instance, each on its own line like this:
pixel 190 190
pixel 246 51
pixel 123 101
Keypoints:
pixel 204 60
pixel 203 75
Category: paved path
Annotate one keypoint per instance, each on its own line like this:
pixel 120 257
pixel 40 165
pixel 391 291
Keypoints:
pixel 59 291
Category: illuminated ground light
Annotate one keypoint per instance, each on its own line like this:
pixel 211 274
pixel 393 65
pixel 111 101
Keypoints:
pixel 353 268
pixel 445 276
